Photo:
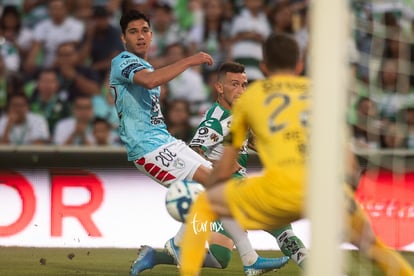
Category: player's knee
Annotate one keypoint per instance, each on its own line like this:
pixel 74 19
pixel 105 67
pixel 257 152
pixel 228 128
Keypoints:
pixel 221 253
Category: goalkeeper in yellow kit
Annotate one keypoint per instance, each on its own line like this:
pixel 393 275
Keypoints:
pixel 276 110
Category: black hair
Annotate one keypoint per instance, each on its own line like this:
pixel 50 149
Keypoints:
pixel 16 95
pixel 10 10
pixel 230 67
pixel 99 120
pixel 280 52
pixel 132 15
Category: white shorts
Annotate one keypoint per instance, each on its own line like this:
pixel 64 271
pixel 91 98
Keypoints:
pixel 171 162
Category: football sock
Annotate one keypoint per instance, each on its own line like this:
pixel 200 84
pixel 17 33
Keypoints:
pixel 193 244
pixel 290 244
pixel 221 230
pixel 217 257
pixel 247 254
pixel 179 236
pixel 221 255
pixel 162 257
pixel 390 261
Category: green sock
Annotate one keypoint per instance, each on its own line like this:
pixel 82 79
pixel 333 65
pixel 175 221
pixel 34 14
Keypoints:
pixel 162 257
pixel 221 254
pixel 290 244
pixel 221 229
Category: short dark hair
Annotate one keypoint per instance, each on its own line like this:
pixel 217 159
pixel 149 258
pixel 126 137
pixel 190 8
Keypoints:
pixel 46 70
pixel 230 67
pixel 10 10
pixel 280 52
pixel 100 120
pixel 80 97
pixel 14 96
pixel 362 99
pixel 132 15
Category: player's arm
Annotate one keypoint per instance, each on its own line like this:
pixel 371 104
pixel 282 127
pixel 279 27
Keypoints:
pixel 203 141
pixel 251 143
pixel 224 168
pixel 199 150
pixel 160 76
pixel 236 166
pixel 232 143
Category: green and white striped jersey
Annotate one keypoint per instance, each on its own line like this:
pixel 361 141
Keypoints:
pixel 210 134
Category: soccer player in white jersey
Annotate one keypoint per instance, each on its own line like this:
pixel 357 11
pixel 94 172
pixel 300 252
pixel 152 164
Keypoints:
pixel 209 137
pixel 135 88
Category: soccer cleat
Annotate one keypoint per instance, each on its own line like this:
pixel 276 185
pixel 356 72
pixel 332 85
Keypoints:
pixel 173 250
pixel 263 265
pixel 144 261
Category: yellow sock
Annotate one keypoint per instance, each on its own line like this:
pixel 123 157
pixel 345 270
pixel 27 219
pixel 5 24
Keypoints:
pixel 390 261
pixel 196 234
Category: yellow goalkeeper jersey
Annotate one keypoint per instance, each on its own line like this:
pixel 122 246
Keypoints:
pixel 276 109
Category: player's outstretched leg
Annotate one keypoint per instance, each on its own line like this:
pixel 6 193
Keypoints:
pixel 219 257
pixel 290 244
pixel 253 264
pixel 362 235
pixel 147 258
pixel 210 260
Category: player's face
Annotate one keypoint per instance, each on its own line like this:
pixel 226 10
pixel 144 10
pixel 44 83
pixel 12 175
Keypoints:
pixel 137 38
pixel 231 87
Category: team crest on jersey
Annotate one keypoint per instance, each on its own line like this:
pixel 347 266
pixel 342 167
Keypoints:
pixel 228 124
pixel 179 163
pixel 214 137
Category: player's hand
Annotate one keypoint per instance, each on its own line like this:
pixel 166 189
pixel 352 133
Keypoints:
pixel 201 58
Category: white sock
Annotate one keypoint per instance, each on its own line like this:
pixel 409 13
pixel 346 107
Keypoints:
pixel 179 236
pixel 247 254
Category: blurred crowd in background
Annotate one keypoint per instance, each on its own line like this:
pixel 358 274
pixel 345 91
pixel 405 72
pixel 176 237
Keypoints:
pixel 55 58
pixel 381 111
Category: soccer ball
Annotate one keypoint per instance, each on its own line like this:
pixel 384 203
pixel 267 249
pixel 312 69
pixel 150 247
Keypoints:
pixel 179 197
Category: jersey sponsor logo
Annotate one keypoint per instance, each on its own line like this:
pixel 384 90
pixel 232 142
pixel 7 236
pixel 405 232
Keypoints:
pixel 157 120
pixel 156 115
pixel 214 137
pixel 242 171
pixel 203 131
pixel 125 56
pixel 197 141
pixel 127 70
pixel 154 170
pixel 130 61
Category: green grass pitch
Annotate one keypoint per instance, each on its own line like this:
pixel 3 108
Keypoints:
pixel 23 261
